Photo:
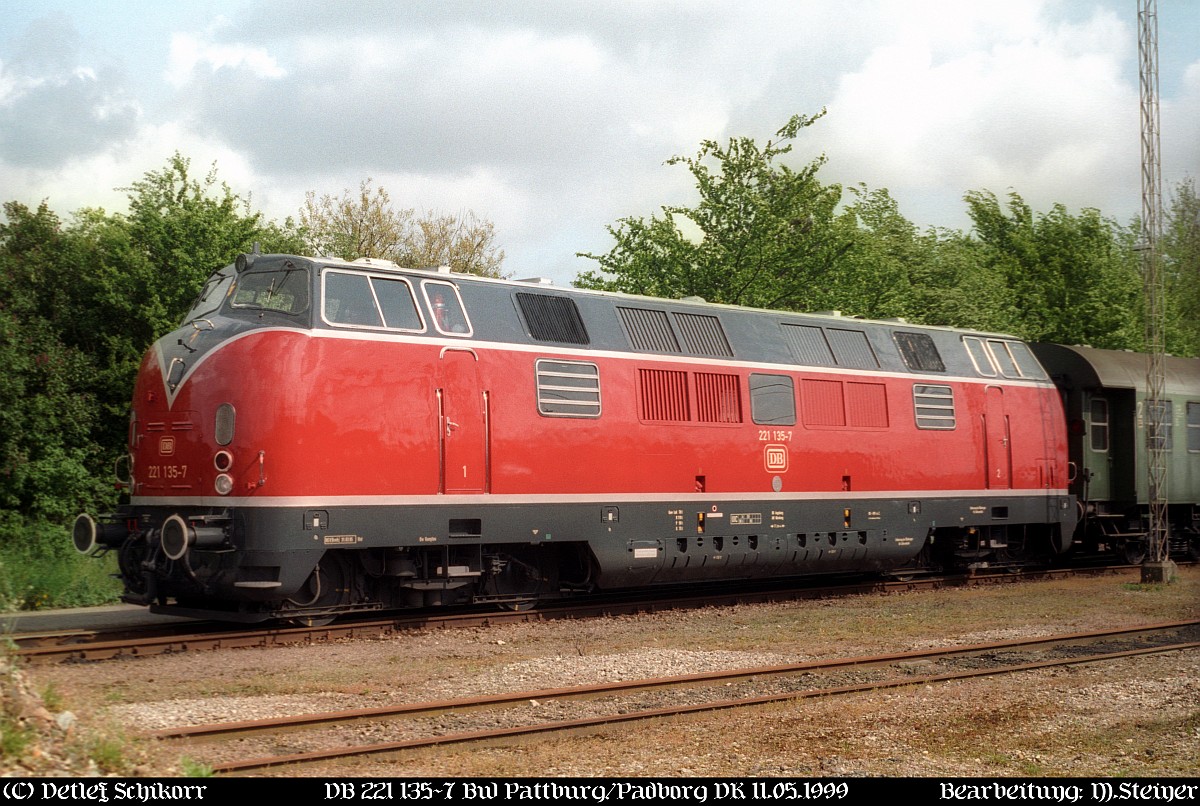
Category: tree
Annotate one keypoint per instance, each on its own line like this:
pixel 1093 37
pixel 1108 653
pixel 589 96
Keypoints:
pixel 954 288
pixel 1071 279
pixel 767 235
pixel 878 277
pixel 351 227
pixel 1181 266
pixel 366 225
pixel 80 303
pixel 186 228
pixel 461 241
pixel 48 412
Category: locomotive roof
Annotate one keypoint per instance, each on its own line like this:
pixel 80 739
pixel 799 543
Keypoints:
pixel 544 285
pixel 1093 368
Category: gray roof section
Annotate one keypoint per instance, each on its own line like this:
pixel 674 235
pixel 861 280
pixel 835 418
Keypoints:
pixel 1090 368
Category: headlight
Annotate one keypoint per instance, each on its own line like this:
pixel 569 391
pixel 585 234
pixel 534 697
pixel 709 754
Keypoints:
pixel 223 460
pixel 223 483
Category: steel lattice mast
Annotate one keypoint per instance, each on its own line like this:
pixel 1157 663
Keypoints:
pixel 1157 430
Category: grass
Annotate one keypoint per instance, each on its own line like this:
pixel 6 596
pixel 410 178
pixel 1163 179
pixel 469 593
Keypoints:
pixel 39 569
pixel 15 738
pixel 194 769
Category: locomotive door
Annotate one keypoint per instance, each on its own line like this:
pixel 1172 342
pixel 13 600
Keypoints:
pixel 997 444
pixel 463 421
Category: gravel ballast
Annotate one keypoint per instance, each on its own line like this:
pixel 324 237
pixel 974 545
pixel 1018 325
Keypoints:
pixel 1138 717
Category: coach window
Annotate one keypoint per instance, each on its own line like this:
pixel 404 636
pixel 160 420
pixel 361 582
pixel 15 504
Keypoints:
pixel 283 291
pixel 1099 424
pixel 211 296
pixel 978 352
pixel 1159 426
pixel 1193 427
pixel 449 317
pixel 1027 365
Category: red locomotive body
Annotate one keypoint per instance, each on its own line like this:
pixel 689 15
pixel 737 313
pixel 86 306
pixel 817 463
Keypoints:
pixel 322 437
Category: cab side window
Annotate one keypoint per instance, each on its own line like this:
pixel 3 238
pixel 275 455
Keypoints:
pixel 349 301
pixel 449 316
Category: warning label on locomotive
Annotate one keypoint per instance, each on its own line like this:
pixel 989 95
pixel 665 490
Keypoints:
pixel 745 518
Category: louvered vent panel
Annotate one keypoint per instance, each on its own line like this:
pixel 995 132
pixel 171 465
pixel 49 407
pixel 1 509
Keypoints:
pixel 648 330
pixel 934 407
pixel 703 335
pixel 866 405
pixel 851 348
pixel 808 345
pixel 823 403
pixel 552 318
pixel 718 398
pixel 568 388
pixel 664 395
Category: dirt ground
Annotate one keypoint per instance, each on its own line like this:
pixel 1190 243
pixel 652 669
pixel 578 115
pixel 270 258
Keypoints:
pixel 1136 717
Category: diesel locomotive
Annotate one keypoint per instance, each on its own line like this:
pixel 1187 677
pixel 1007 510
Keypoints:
pixel 322 437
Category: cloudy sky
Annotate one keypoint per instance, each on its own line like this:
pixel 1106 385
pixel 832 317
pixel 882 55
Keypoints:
pixel 553 118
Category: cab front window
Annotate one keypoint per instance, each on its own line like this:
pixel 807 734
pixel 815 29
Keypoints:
pixel 211 296
pixel 282 291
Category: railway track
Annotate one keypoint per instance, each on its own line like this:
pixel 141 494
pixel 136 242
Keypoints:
pixel 336 736
pixel 84 645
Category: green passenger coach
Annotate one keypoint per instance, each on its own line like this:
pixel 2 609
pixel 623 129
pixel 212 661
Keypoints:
pixel 1104 394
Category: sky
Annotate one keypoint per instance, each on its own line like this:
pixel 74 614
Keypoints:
pixel 553 118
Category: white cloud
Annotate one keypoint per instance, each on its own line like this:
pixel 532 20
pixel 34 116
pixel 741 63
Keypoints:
pixel 553 120
pixel 190 52
pixel 1043 109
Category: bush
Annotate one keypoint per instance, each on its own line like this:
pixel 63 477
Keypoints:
pixel 39 569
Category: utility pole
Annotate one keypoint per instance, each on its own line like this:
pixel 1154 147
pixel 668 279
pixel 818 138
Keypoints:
pixel 1157 566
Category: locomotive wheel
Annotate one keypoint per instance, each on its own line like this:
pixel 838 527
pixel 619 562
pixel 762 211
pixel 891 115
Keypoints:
pixel 517 579
pixel 1133 552
pixel 327 586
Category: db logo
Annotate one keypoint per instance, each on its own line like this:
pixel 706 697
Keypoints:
pixel 166 446
pixel 776 457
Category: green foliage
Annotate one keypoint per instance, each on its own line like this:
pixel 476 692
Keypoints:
pixel 766 235
pixel 15 737
pixel 109 754
pixel 1181 268
pixel 365 224
pixel 47 385
pixel 195 769
pixel 39 568
pixel 80 303
pixel 762 234
pixel 1070 278
pixel 880 275
pixel 179 230
pixel 51 697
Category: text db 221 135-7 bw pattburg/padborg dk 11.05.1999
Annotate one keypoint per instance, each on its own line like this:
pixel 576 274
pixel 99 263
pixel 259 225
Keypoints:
pixel 323 437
